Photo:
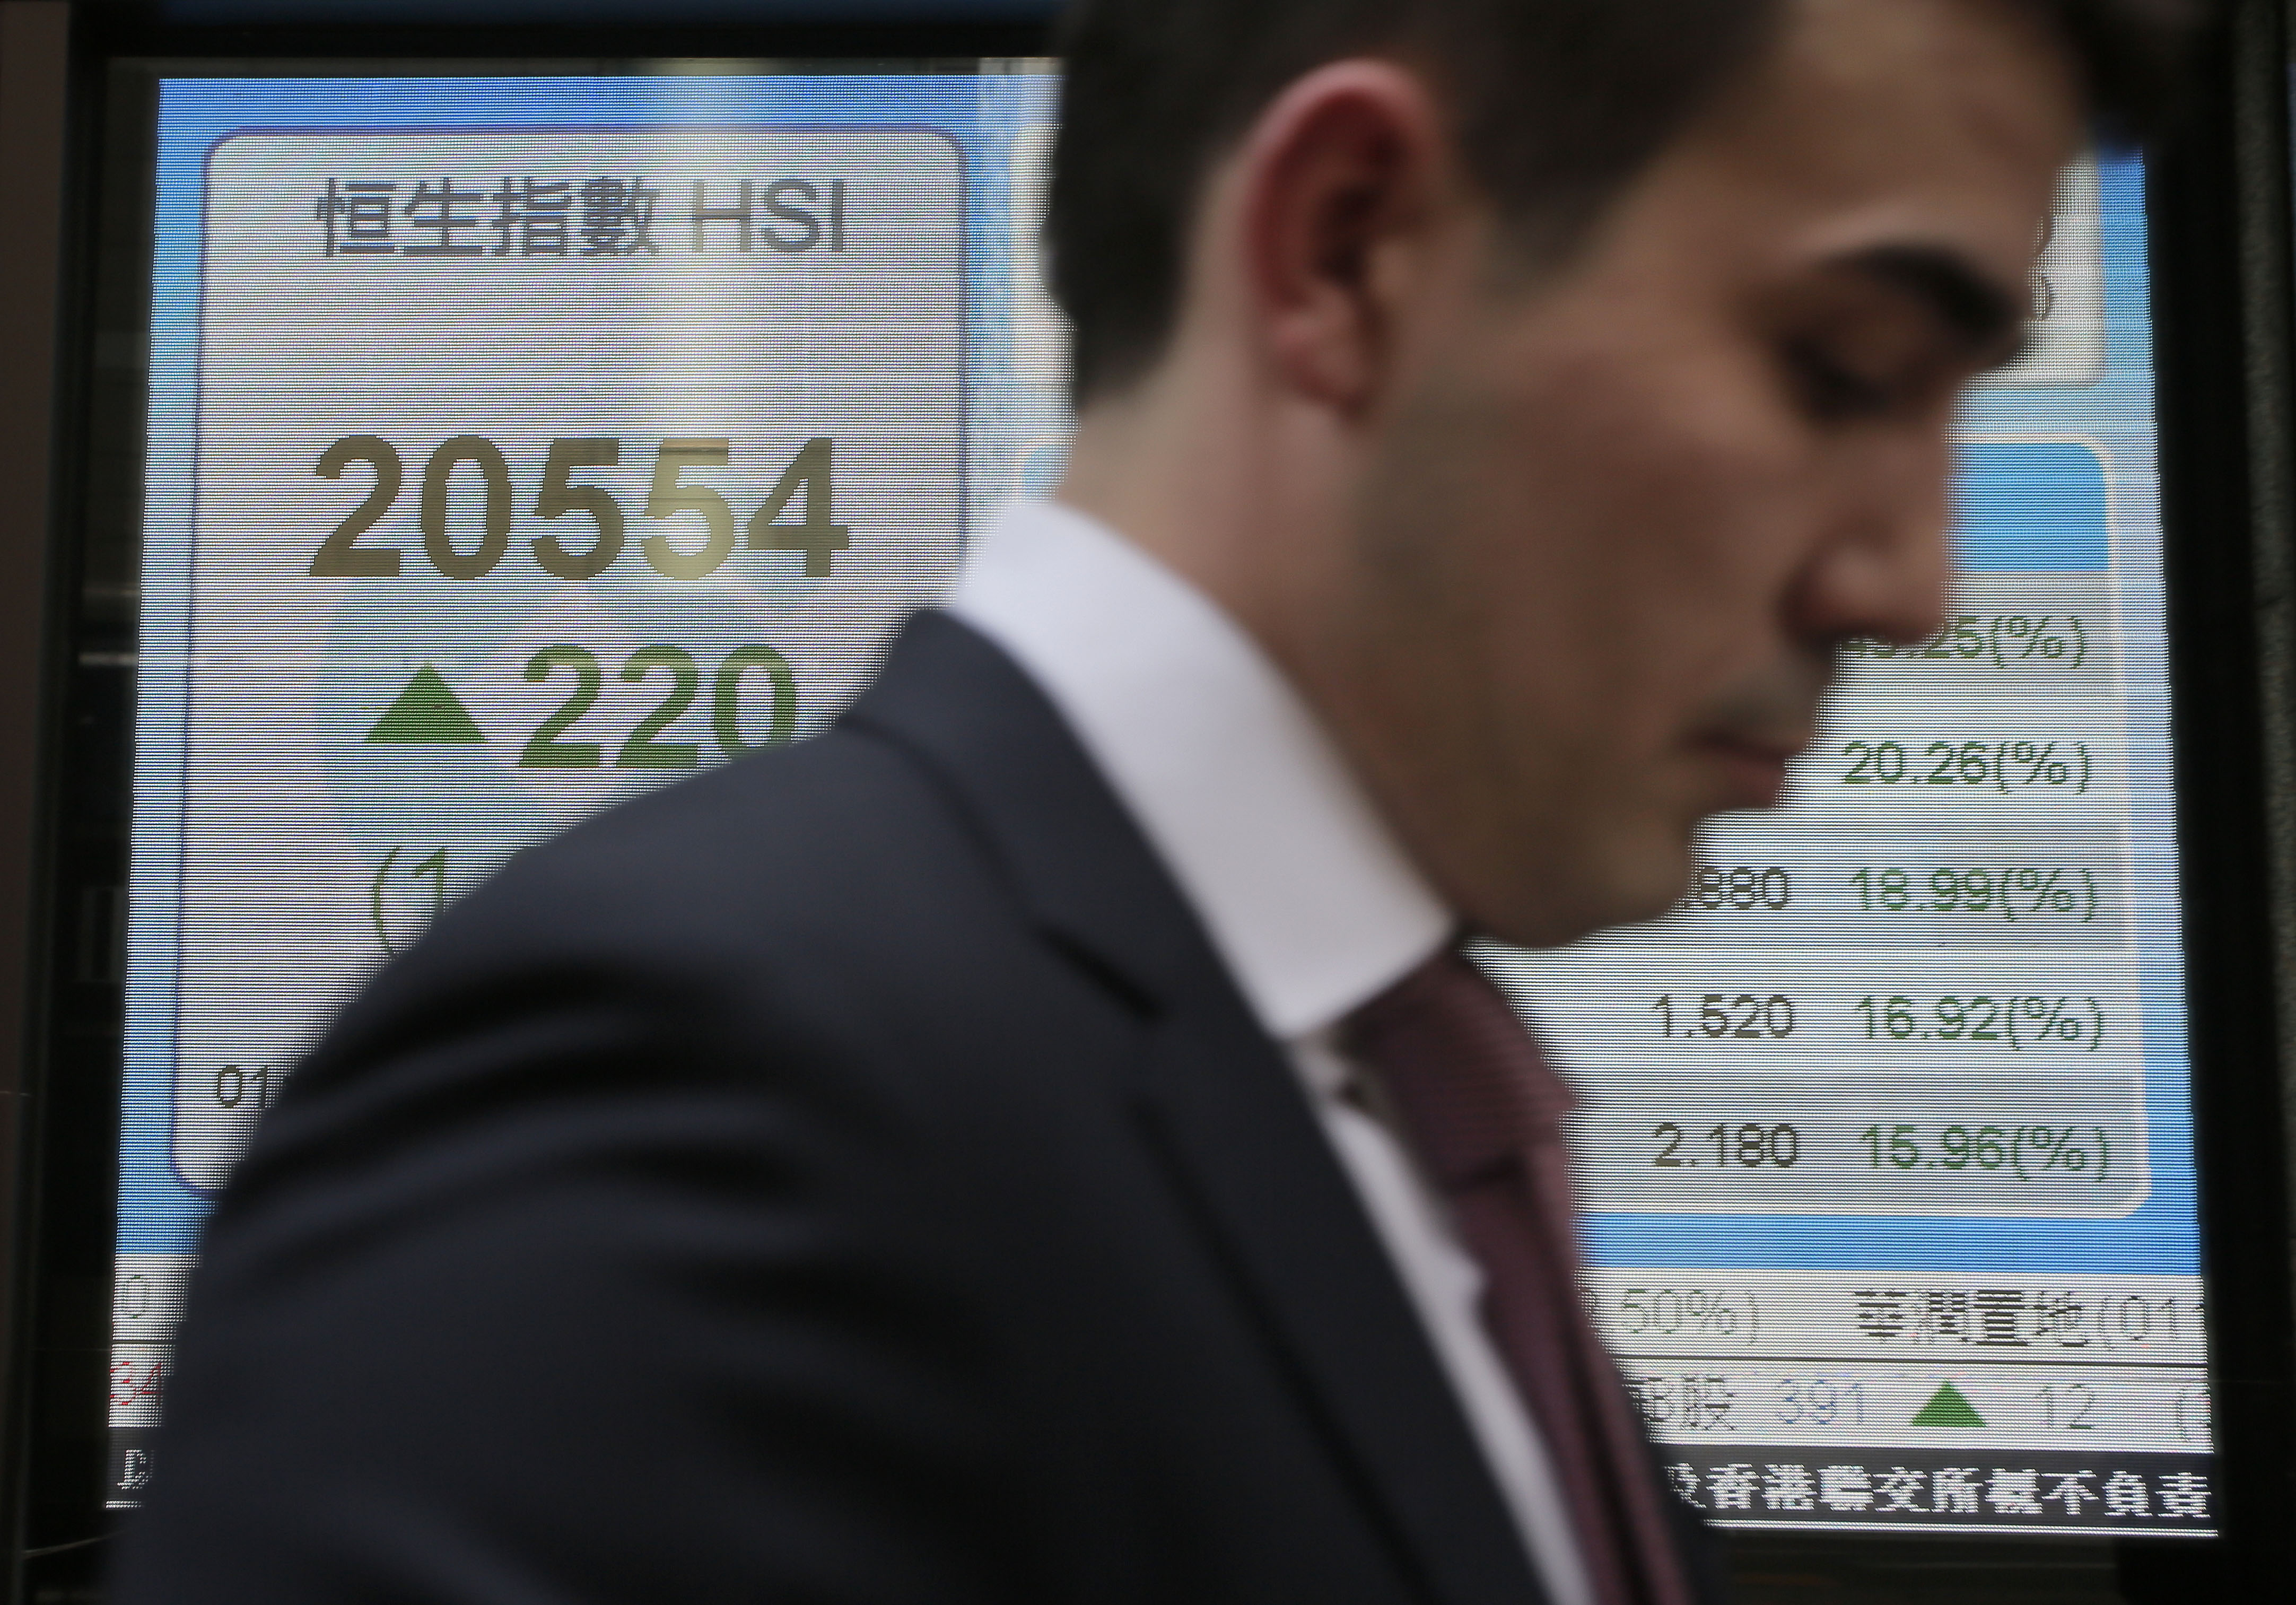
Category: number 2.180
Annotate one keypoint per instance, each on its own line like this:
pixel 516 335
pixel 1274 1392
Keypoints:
pixel 811 471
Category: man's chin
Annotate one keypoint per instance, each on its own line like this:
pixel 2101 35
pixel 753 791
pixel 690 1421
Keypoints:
pixel 1638 886
pixel 1650 879
pixel 1654 902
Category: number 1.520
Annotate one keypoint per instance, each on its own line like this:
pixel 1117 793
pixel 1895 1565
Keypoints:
pixel 1749 1016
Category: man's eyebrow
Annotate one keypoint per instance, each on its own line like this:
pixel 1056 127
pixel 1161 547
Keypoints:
pixel 1987 314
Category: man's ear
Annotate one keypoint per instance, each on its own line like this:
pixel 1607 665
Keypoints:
pixel 1345 185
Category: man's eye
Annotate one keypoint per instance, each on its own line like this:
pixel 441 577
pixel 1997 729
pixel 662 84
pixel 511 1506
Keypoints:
pixel 1832 391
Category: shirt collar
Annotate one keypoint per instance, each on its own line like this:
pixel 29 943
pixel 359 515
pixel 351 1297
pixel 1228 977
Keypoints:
pixel 1304 891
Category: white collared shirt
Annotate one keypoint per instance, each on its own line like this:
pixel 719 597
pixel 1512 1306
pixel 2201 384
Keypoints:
pixel 1302 886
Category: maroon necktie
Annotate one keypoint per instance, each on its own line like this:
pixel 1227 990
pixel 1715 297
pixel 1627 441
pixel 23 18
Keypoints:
pixel 1482 1110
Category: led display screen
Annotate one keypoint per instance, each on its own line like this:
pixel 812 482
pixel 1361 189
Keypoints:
pixel 518 443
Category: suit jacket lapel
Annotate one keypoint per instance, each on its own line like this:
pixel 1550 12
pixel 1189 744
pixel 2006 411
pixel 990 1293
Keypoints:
pixel 1226 1108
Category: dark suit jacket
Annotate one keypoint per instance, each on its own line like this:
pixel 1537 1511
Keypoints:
pixel 846 1177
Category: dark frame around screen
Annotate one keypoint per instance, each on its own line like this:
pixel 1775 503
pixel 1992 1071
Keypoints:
pixel 2221 246
pixel 2218 204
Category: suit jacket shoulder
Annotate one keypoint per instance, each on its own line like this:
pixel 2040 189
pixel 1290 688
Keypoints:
pixel 847 1175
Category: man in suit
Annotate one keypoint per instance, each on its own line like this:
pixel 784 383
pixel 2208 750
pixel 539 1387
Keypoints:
pixel 1033 1142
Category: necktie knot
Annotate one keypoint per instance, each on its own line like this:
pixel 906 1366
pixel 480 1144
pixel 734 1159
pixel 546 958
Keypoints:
pixel 1468 1080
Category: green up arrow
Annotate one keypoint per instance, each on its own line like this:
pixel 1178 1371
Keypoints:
pixel 427 713
pixel 1949 1408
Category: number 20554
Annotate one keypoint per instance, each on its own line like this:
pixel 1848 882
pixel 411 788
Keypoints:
pixel 808 479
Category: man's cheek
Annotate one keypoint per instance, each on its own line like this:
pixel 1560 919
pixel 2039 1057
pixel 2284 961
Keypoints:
pixel 1707 641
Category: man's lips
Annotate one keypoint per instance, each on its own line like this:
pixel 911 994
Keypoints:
pixel 1752 769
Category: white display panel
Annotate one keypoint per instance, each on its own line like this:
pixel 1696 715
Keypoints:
pixel 770 313
pixel 518 444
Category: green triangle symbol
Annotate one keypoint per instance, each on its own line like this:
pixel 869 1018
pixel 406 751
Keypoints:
pixel 1947 1408
pixel 426 714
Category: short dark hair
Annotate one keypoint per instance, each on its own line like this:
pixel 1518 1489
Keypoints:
pixel 1559 104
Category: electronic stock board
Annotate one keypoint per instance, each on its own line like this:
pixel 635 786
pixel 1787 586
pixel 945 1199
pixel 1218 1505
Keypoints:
pixel 518 443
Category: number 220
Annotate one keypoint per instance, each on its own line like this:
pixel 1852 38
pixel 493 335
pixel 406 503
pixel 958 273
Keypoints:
pixel 548 749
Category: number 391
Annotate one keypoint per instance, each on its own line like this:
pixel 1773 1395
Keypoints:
pixel 816 534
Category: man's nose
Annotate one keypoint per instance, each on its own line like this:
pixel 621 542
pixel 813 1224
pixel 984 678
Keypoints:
pixel 1883 567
